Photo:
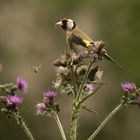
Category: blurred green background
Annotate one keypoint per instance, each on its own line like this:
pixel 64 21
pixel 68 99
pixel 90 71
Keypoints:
pixel 28 38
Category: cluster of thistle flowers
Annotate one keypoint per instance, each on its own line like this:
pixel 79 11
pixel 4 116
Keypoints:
pixel 78 64
pixel 48 106
pixel 11 100
pixel 131 94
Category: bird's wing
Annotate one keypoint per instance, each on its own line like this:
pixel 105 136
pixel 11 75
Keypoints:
pixel 80 38
pixel 79 41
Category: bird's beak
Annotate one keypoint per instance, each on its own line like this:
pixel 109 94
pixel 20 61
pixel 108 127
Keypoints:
pixel 59 23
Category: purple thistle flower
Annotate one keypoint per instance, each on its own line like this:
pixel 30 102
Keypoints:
pixel 128 86
pixel 22 84
pixel 89 88
pixel 82 54
pixel 95 56
pixel 40 107
pixel 60 62
pixel 14 100
pixel 49 94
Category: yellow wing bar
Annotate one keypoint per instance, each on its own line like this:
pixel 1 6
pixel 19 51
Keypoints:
pixel 88 43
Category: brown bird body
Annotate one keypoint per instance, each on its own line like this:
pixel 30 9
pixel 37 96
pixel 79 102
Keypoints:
pixel 76 32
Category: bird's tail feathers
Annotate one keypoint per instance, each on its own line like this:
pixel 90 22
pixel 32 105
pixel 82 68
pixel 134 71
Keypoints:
pixel 112 60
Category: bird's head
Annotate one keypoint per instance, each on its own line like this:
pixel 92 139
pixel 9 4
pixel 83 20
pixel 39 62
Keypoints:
pixel 66 24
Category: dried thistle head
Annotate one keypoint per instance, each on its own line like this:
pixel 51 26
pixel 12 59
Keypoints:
pixel 64 71
pixel 99 75
pixel 81 70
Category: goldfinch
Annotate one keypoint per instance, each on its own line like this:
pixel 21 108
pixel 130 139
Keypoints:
pixel 75 37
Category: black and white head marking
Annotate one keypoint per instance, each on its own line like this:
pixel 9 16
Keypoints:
pixel 68 24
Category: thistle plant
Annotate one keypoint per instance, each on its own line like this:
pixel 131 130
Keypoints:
pixel 11 102
pixel 79 76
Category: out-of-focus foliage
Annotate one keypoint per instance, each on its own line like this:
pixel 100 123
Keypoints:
pixel 28 38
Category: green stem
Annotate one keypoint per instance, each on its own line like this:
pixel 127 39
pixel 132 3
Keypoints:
pixel 59 126
pixel 77 105
pixel 107 119
pixel 89 110
pixel 74 122
pixel 21 122
pixel 73 80
pixel 84 80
